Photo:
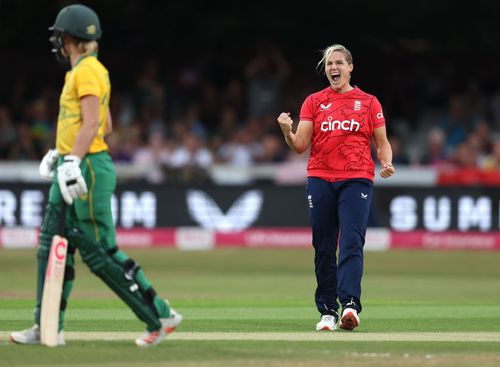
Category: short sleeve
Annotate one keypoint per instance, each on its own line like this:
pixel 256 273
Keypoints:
pixel 376 114
pixel 87 82
pixel 306 112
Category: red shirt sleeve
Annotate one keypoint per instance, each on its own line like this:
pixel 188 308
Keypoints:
pixel 376 114
pixel 306 112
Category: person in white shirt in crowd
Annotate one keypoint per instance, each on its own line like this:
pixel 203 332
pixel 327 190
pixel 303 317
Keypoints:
pixel 191 152
pixel 154 157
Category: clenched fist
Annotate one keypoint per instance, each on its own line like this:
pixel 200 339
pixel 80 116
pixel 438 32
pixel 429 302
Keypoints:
pixel 285 122
pixel 387 170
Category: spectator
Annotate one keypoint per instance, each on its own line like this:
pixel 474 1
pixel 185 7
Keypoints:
pixel 465 156
pixel 399 156
pixel 154 158
pixel 23 148
pixel 233 95
pixel 492 161
pixel 228 123
pixel 273 150
pixel 42 127
pixel 190 160
pixel 458 122
pixel 495 109
pixel 193 121
pixel 18 98
pixel 435 154
pixel 210 106
pixel 191 153
pixel 474 144
pixel 124 142
pixel 241 150
pixel 265 75
pixel 150 92
pixel 483 131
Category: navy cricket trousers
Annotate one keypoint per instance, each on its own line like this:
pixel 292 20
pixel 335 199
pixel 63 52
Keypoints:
pixel 339 217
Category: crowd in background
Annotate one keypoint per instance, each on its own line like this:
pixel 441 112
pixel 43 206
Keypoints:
pixel 191 121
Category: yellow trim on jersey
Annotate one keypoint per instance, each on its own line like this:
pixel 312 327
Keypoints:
pixel 87 77
pixel 91 202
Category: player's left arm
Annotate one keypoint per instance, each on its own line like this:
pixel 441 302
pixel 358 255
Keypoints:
pixel 384 151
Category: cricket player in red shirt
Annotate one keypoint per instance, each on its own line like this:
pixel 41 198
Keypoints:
pixel 339 123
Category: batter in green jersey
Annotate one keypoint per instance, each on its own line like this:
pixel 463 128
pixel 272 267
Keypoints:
pixel 83 178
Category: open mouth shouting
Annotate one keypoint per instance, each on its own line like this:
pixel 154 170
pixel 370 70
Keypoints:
pixel 335 77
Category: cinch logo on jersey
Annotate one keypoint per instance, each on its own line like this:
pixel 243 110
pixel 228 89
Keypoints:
pixel 346 125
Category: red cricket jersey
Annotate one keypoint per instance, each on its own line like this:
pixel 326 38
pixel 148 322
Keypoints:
pixel 342 131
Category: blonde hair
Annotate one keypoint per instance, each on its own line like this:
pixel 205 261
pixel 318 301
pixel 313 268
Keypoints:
pixel 87 48
pixel 329 50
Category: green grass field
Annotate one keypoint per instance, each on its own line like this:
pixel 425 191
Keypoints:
pixel 255 307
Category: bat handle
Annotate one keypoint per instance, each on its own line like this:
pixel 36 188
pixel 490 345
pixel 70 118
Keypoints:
pixel 62 219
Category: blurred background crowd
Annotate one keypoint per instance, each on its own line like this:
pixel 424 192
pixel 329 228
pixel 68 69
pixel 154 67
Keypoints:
pixel 195 85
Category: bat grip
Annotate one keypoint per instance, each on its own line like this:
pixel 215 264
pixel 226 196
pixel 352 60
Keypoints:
pixel 61 224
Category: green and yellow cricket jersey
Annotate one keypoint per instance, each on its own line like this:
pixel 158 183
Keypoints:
pixel 87 77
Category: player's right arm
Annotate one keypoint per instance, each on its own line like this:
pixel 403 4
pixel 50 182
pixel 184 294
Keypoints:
pixel 89 105
pixel 300 140
pixel 71 182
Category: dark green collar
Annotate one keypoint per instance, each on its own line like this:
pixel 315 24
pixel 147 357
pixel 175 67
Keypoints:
pixel 94 54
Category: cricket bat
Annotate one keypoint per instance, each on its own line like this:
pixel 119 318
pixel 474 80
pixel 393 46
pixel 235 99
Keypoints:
pixel 52 288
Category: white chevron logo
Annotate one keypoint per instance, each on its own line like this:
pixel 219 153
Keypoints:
pixel 327 107
pixel 241 215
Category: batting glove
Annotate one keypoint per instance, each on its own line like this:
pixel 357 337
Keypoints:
pixel 48 164
pixel 71 181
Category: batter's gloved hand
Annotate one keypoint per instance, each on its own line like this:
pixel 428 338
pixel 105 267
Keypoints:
pixel 71 181
pixel 48 164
